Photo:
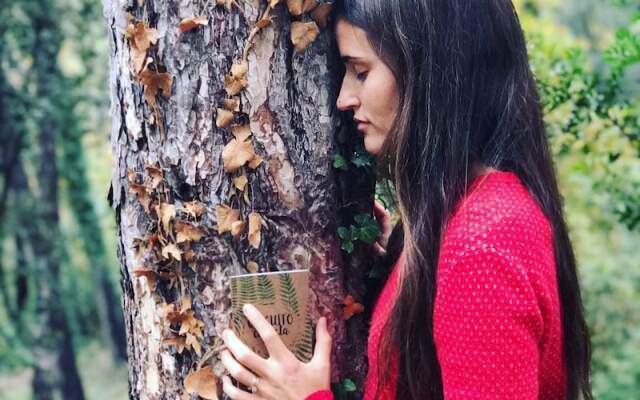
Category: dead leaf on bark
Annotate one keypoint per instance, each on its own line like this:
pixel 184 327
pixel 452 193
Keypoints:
pixel 264 22
pixel 303 34
pixel 236 154
pixel 187 232
pixel 155 82
pixel 255 162
pixel 155 175
pixel 224 118
pixel 226 216
pixel 171 251
pixel 241 132
pixel 194 208
pixel 240 182
pixel 320 14
pixel 188 24
pixel 166 212
pixel 351 308
pixel 295 7
pixel 234 85
pixel 177 341
pixel 150 276
pixel 141 38
pixel 255 223
pixel 231 104
pixel 252 267
pixel 237 229
pixel 143 195
pixel 202 382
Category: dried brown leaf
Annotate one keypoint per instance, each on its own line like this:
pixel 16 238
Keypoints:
pixel 166 212
pixel 234 85
pixel 309 5
pixel 202 382
pixel 155 82
pixel 295 7
pixel 237 229
pixel 232 104
pixel 224 118
pixel 143 195
pixel 240 182
pixel 171 250
pixel 320 14
pixel 255 162
pixel 255 223
pixel 226 216
pixel 351 308
pixel 194 208
pixel 303 34
pixel 155 174
pixel 188 24
pixel 236 154
pixel 241 132
pixel 252 267
pixel 187 232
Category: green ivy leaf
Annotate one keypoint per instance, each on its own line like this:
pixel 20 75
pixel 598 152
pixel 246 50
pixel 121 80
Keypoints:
pixel 348 246
pixel 343 233
pixel 339 162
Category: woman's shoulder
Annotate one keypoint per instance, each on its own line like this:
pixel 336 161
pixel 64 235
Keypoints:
pixel 498 211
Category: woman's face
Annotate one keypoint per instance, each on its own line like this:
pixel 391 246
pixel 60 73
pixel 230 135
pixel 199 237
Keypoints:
pixel 369 88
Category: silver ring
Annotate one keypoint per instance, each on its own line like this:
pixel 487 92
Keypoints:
pixel 254 384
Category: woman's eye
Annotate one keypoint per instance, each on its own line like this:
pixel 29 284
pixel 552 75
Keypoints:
pixel 362 76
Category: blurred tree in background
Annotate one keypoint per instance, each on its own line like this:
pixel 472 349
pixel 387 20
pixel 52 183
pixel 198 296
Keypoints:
pixel 57 249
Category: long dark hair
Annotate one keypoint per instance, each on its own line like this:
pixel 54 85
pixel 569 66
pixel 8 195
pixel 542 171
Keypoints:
pixel 467 97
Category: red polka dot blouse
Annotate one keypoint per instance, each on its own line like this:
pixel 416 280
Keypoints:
pixel 497 326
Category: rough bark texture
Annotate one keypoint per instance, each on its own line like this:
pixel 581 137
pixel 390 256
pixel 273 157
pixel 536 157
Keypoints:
pixel 288 106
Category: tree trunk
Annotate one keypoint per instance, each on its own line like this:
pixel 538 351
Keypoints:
pixel 168 136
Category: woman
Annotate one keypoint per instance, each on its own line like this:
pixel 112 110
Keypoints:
pixel 483 302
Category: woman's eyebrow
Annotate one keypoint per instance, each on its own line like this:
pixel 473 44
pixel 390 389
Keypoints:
pixel 348 58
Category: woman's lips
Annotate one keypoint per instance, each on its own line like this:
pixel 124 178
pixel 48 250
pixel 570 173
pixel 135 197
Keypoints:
pixel 361 126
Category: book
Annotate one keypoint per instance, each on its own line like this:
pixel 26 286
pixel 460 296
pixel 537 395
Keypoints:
pixel 283 298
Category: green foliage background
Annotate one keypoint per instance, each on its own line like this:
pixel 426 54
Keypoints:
pixel 586 57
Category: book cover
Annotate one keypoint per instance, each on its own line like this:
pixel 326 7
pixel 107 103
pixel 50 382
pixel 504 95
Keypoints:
pixel 283 298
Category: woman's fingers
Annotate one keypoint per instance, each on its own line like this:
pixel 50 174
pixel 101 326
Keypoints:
pixel 244 354
pixel 237 394
pixel 322 352
pixel 276 348
pixel 384 219
pixel 240 373
pixel 378 249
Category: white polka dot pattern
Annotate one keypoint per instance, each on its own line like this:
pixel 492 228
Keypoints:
pixel 497 326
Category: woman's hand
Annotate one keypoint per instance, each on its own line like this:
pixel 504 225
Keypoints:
pixel 384 219
pixel 280 377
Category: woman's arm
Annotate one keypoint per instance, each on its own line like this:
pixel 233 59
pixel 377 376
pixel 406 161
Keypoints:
pixel 487 326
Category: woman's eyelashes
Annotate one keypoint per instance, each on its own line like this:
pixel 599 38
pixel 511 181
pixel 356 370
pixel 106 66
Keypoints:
pixel 361 76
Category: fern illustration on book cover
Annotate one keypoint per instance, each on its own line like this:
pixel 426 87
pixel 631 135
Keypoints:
pixel 283 298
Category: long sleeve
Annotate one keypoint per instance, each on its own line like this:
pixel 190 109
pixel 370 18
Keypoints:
pixel 487 326
pixel 320 395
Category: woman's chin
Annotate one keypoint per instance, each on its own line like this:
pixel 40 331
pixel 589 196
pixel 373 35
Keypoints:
pixel 372 145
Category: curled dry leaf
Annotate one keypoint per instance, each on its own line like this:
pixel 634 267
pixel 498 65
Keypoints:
pixel 171 251
pixel 155 174
pixel 143 195
pixel 187 232
pixel 194 208
pixel 232 104
pixel 234 85
pixel 153 83
pixel 273 3
pixel 264 22
pixel 309 5
pixel 255 223
pixel 252 267
pixel 351 308
pixel 295 7
pixel 303 34
pixel 224 118
pixel 255 162
pixel 188 24
pixel 141 38
pixel 240 69
pixel 320 14
pixel 175 340
pixel 166 212
pixel 236 154
pixel 202 382
pixel 240 182
pixel 150 275
pixel 226 216
pixel 241 132
pixel 237 229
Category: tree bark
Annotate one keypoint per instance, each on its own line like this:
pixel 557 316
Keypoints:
pixel 167 155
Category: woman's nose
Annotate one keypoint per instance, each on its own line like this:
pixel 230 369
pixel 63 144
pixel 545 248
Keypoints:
pixel 347 101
